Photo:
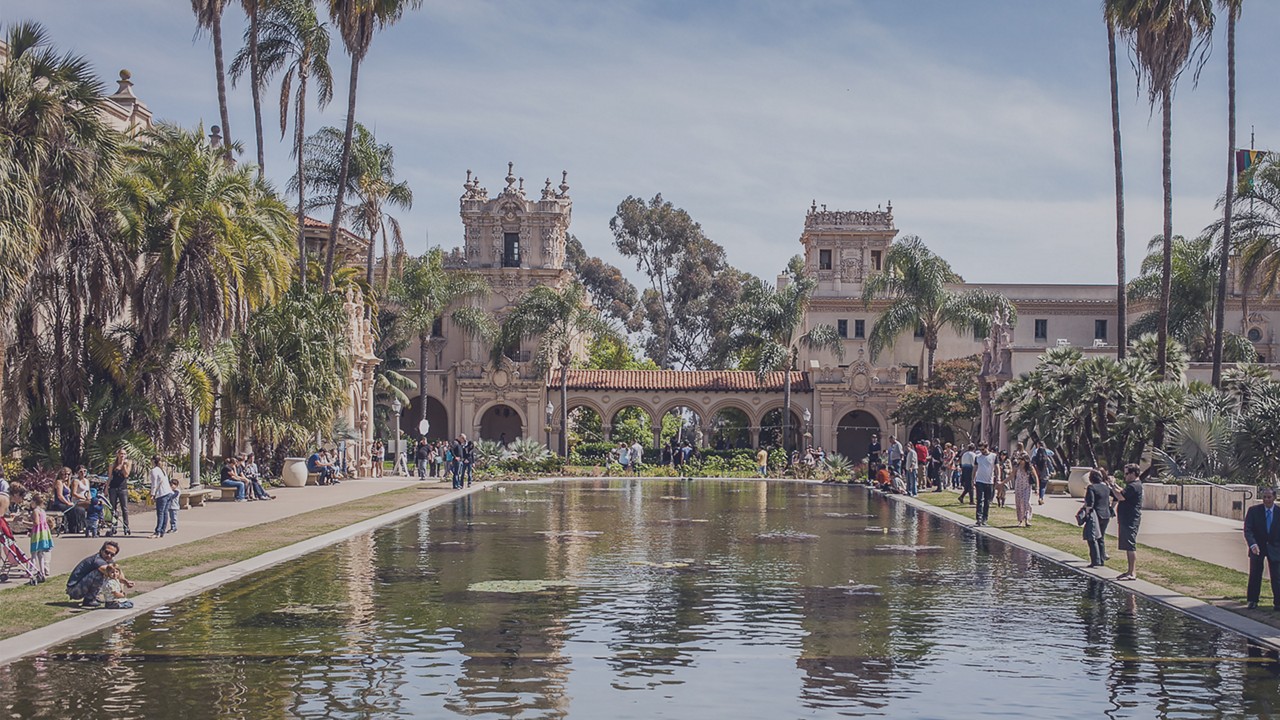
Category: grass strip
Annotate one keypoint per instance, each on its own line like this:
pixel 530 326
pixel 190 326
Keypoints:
pixel 30 607
pixel 1205 581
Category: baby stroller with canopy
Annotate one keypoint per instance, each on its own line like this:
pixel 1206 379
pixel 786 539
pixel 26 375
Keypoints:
pixel 13 561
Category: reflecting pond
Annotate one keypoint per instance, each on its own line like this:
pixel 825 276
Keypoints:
pixel 656 599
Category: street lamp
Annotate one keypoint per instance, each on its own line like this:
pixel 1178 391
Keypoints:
pixel 396 407
pixel 551 411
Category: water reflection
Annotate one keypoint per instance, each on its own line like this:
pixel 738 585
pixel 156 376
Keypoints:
pixel 685 599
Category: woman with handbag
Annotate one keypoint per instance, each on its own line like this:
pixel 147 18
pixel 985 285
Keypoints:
pixel 1097 509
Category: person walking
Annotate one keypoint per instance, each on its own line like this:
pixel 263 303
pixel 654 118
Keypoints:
pixel 421 454
pixel 966 474
pixel 1043 461
pixel 1025 481
pixel 935 465
pixel 161 494
pixel 984 470
pixel 1097 500
pixel 1129 516
pixel 1262 535
pixel 118 488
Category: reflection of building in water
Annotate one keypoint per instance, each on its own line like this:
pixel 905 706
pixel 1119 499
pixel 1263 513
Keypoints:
pixel 846 653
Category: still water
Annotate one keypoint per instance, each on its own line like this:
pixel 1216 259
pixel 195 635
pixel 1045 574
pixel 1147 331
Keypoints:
pixel 668 599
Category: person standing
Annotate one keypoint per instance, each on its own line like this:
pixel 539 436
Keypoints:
pixel 421 455
pixel 935 465
pixel 1097 500
pixel 41 537
pixel 1262 535
pixel 762 462
pixel 895 455
pixel 1025 481
pixel 455 456
pixel 161 494
pixel 468 461
pixel 1129 516
pixel 118 488
pixel 911 463
pixel 984 470
pixel 637 456
pixel 873 453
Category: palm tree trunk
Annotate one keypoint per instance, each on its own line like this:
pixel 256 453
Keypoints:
pixel 422 374
pixel 386 260
pixel 1220 312
pixel 255 75
pixel 1166 266
pixel 368 261
pixel 564 410
pixel 299 135
pixel 786 408
pixel 342 173
pixel 933 350
pixel 222 82
pixel 1122 310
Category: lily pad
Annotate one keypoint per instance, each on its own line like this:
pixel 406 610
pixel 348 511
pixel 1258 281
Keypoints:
pixel 519 586
pixel 786 536
pixel 570 534
pixel 912 549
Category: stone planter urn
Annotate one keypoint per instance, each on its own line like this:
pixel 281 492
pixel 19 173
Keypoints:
pixel 294 474
pixel 1078 481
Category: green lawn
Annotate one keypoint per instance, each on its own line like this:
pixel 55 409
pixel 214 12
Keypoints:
pixel 1195 578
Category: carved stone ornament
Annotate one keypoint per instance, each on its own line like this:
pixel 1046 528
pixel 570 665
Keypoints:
pixel 851 270
pixel 860 377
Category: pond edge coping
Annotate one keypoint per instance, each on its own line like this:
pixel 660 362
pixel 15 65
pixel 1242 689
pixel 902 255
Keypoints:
pixel 1254 631
pixel 42 638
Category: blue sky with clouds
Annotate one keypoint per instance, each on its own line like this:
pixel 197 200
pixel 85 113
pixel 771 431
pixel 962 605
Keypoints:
pixel 986 123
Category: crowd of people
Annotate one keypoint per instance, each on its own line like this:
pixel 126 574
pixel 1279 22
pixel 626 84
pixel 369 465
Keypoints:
pixel 454 459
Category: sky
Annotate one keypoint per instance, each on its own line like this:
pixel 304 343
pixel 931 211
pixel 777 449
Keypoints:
pixel 985 123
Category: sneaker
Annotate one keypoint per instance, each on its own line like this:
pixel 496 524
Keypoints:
pixel 241 500
pixel 89 603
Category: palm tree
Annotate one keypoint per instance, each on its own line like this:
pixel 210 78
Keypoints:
pixel 771 330
pixel 1109 10
pixel 209 17
pixel 252 10
pixel 1166 35
pixel 562 322
pixel 1232 8
pixel 425 292
pixel 293 40
pixel 356 21
pixel 371 178
pixel 914 282
pixel 1258 223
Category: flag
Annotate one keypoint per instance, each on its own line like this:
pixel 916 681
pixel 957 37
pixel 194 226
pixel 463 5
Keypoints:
pixel 1246 159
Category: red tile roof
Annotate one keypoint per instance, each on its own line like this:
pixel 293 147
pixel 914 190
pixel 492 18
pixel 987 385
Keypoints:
pixel 680 380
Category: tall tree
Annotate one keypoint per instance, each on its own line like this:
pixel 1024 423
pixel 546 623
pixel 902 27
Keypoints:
pixel 1257 225
pixel 427 292
pixel 253 10
pixel 692 288
pixel 356 21
pixel 209 18
pixel 915 282
pixel 609 289
pixel 1166 35
pixel 771 329
pixel 293 40
pixel 1110 8
pixel 562 322
pixel 1232 8
pixel 371 178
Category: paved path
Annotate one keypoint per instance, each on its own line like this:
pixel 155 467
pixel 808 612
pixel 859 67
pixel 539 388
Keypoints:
pixel 214 518
pixel 1204 537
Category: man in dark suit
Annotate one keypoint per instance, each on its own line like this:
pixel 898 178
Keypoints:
pixel 1262 533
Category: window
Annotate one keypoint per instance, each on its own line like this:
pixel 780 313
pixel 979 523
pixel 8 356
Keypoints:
pixel 511 249
pixel 875 259
pixel 437 328
pixel 919 331
pixel 978 334
pixel 1255 335
pixel 913 374
pixel 860 328
pixel 842 328
pixel 1099 329
pixel 1042 329
pixel 824 259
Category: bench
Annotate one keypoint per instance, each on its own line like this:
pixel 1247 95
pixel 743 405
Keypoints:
pixel 1057 487
pixel 313 478
pixel 228 493
pixel 191 497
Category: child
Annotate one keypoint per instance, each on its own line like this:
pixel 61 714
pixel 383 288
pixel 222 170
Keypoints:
pixel 41 537
pixel 173 506
pixel 113 589
pixel 94 513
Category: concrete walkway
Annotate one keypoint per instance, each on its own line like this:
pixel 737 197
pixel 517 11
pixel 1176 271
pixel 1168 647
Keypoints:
pixel 214 518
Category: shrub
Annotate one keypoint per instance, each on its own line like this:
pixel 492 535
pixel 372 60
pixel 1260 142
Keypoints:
pixel 38 480
pixel 593 453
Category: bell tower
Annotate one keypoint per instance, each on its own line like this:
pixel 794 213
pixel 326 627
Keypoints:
pixel 842 248
pixel 511 231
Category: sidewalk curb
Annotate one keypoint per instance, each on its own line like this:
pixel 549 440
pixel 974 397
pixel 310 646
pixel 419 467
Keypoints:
pixel 33 641
pixel 1256 632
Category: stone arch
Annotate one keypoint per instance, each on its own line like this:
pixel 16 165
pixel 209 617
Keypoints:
pixel 586 421
pixel 500 421
pixel 680 403
pixel 770 424
pixel 691 423
pixel 437 415
pixel 631 427
pixel 731 427
pixel 854 431
pixel 752 417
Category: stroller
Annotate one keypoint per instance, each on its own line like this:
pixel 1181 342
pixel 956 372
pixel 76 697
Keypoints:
pixel 100 519
pixel 13 561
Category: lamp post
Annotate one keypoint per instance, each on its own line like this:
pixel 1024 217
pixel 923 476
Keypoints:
pixel 396 407
pixel 551 412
